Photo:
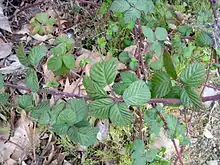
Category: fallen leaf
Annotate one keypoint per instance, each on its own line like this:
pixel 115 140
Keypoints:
pixel 5 49
pixel 4 24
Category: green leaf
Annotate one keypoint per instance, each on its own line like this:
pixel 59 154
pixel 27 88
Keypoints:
pixel 68 60
pixel 139 155
pixel 124 57
pixel 145 5
pixel 204 39
pixel 120 114
pixel 64 39
pixel 133 65
pixel 67 116
pixel 172 124
pixel 193 75
pixel 119 88
pixel 156 48
pixel 44 118
pixel 62 70
pixel 168 64
pixel 161 33
pixel 81 109
pixel 119 6
pixel 1 81
pixel 42 18
pixel 137 93
pixel 23 59
pixel 31 80
pixel 86 136
pixel 131 15
pixel 93 89
pixel 148 32
pixel 55 112
pixel 39 110
pixel 157 64
pixel 61 129
pixel 161 84
pixel 25 101
pixel 4 98
pixel 187 51
pixel 59 50
pixel 190 98
pixel 104 73
pixel 100 108
pixel 128 77
pixel 185 30
pixel 54 63
pixel 151 154
pixel 174 92
pixel 36 54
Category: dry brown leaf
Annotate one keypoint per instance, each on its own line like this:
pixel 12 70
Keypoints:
pixel 5 49
pixel 48 75
pixel 4 23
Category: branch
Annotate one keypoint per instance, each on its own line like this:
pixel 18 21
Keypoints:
pixel 65 94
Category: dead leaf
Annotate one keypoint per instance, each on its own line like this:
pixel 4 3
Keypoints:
pixel 5 49
pixel 4 24
pixel 69 88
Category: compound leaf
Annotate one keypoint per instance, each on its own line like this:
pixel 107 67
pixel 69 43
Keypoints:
pixel 64 39
pixel 67 116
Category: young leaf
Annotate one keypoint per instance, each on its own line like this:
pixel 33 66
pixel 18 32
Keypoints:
pixel 81 109
pixel 64 39
pixel 161 84
pixel 25 101
pixel 86 136
pixel 148 32
pixel 36 54
pixel 67 116
pixel 119 6
pixel 68 60
pixel 31 80
pixel 100 108
pixel 131 15
pixel 42 18
pixel 137 93
pixel 93 89
pixel 104 73
pixel 62 70
pixel 190 98
pixel 120 114
pixel 193 75
pixel 59 50
pixel 139 155
pixel 54 63
pixel 133 65
pixel 23 59
pixel 124 57
pixel 161 33
pixel 44 118
pixel 168 64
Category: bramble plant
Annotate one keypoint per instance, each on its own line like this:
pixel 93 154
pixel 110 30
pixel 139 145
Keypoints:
pixel 169 72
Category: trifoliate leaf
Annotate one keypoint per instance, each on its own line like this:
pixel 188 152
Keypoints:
pixel 4 98
pixel 86 136
pixel 137 93
pixel 81 109
pixel 23 59
pixel 64 39
pixel 119 6
pixel 168 64
pixel 36 54
pixel 68 60
pixel 104 73
pixel 161 84
pixel 25 102
pixel 161 33
pixel 156 48
pixel 190 98
pixel 67 116
pixel 120 114
pixel 31 80
pixel 148 32
pixel 131 15
pixel 193 75
pixel 124 57
pixel 93 90
pixel 54 63
pixel 100 108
